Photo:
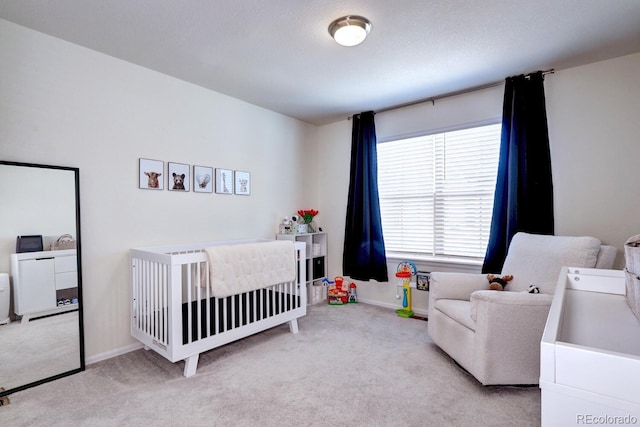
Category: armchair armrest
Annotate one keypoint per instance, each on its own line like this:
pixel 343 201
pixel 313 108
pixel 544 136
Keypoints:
pixel 521 301
pixel 456 285
pixel 509 327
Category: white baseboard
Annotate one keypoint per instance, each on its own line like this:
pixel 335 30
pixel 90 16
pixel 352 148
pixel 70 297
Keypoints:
pixel 112 353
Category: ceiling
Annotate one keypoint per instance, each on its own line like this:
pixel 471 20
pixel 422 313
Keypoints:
pixel 278 54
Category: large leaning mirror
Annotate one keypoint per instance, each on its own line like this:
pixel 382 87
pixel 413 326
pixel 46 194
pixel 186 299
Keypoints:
pixel 41 335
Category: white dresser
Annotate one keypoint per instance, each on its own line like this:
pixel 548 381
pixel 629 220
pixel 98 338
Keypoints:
pixel 40 279
pixel 590 352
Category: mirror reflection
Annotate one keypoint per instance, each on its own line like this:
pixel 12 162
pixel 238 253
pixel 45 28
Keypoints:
pixel 40 321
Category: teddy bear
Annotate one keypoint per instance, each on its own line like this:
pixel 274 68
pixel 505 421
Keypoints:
pixel 498 283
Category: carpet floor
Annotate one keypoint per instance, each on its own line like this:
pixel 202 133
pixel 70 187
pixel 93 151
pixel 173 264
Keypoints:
pixel 351 365
pixel 38 349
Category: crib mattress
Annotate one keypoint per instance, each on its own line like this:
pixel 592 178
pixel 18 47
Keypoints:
pixel 269 303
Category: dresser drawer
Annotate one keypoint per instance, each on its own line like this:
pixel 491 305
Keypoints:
pixel 66 280
pixel 65 264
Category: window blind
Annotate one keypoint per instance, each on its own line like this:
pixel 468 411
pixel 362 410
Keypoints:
pixel 436 192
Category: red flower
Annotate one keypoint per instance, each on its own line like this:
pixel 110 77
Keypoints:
pixel 307 214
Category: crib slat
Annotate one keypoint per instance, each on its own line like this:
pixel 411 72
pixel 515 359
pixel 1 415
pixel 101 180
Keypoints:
pixel 225 303
pixel 145 293
pixel 135 276
pixel 234 301
pixel 208 296
pixel 243 310
pixel 142 285
pixel 150 304
pixel 189 308
pixel 196 286
pixel 294 295
pixel 254 296
pixel 156 302
pixel 135 281
pixel 163 302
pixel 287 297
pixel 143 300
pixel 174 284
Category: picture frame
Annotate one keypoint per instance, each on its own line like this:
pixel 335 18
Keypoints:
pixel 242 183
pixel 422 280
pixel 202 179
pixel 150 174
pixel 224 181
pixel 178 177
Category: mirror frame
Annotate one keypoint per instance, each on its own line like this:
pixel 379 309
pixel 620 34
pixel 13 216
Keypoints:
pixel 76 172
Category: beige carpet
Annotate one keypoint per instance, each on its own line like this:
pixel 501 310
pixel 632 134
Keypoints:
pixel 38 349
pixel 352 365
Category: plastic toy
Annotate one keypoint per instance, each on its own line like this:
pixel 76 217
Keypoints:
pixel 336 295
pixel 497 283
pixel 353 297
pixel 406 270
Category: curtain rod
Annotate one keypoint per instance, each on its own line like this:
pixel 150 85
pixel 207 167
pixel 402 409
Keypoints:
pixel 450 94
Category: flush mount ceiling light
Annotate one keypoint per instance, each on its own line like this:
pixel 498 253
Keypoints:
pixel 350 30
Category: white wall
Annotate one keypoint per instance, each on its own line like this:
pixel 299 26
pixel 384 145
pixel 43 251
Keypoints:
pixel 62 104
pixel 593 129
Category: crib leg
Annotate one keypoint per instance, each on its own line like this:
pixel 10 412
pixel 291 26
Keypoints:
pixel 293 326
pixel 190 365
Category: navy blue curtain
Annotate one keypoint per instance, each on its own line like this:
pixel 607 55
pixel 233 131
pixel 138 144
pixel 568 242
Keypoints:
pixel 363 257
pixel 524 189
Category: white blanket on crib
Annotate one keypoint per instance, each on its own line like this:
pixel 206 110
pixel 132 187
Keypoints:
pixel 240 268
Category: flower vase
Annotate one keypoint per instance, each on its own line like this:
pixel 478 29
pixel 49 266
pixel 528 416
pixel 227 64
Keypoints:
pixel 312 227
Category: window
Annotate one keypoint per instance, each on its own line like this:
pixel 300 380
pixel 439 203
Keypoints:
pixel 436 193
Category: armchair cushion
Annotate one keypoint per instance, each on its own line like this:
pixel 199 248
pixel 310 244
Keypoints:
pixel 456 285
pixel 535 259
pixel 606 257
pixel 458 310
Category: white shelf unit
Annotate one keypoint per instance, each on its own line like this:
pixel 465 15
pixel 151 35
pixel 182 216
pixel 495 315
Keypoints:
pixel 40 279
pixel 590 352
pixel 316 244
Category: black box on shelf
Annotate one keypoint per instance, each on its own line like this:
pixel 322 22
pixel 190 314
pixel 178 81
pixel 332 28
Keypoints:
pixel 28 244
pixel 318 268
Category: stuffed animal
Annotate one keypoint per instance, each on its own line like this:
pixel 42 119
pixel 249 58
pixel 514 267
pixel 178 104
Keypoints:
pixel 498 283
pixel 534 289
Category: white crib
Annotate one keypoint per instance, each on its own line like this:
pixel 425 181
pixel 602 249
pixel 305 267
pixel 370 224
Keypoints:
pixel 173 314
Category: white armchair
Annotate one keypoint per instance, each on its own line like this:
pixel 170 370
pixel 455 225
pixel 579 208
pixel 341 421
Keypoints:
pixel 495 335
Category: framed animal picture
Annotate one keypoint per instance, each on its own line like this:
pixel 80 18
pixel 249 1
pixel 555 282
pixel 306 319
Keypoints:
pixel 242 183
pixel 422 280
pixel 178 178
pixel 150 174
pixel 224 181
pixel 202 179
